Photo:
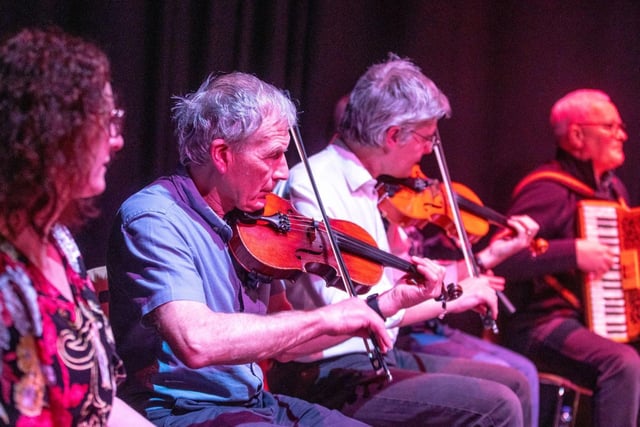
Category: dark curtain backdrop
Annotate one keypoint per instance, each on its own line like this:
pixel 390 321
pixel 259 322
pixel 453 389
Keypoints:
pixel 501 63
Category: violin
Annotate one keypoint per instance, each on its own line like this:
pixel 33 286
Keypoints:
pixel 279 242
pixel 418 200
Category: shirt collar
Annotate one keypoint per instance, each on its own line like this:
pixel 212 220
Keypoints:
pixel 356 175
pixel 189 193
pixel 583 170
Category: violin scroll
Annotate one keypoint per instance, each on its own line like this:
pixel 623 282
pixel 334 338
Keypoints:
pixel 450 292
pixel 538 246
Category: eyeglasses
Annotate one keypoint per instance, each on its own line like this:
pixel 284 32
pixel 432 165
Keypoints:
pixel 116 122
pixel 431 139
pixel 612 127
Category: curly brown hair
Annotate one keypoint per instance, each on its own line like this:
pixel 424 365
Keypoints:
pixel 51 107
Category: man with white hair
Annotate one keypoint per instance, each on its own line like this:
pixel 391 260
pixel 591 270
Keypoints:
pixel 548 326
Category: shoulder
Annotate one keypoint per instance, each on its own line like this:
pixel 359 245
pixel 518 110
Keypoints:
pixel 325 156
pixel 18 298
pixel 539 193
pixel 548 178
pixel 321 163
pixel 159 199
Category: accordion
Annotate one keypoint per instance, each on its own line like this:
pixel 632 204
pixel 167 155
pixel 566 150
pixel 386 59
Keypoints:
pixel 612 302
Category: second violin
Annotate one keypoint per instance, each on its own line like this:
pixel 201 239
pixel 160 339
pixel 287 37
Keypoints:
pixel 418 200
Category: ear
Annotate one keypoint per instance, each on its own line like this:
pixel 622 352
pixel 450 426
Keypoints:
pixel 574 139
pixel 220 154
pixel 392 137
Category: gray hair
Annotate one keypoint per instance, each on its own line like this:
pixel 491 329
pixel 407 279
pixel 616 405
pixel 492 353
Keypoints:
pixel 392 93
pixel 228 106
pixel 574 107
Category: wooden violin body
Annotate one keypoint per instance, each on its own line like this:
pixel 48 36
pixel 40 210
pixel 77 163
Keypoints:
pixel 279 242
pixel 418 200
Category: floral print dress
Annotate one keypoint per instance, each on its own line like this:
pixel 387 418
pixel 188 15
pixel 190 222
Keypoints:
pixel 59 366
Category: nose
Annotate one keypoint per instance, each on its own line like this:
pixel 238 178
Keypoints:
pixel 116 143
pixel 623 132
pixel 282 170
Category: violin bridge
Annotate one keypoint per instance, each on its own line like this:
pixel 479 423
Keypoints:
pixel 312 231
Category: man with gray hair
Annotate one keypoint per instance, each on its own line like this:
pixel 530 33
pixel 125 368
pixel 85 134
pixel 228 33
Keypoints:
pixel 549 324
pixel 389 123
pixel 191 324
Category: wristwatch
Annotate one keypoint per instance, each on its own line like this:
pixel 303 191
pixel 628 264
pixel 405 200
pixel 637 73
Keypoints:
pixel 372 302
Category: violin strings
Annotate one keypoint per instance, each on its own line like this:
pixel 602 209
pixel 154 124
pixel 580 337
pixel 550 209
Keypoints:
pixel 352 244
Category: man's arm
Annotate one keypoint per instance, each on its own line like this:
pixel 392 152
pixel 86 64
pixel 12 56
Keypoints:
pixel 478 294
pixel 549 205
pixel 507 244
pixel 201 337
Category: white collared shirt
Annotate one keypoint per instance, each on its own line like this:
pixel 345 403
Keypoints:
pixel 348 192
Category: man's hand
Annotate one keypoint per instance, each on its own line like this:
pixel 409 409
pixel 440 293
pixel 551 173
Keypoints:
pixel 354 317
pixel 594 257
pixel 495 282
pixel 507 244
pixel 409 293
pixel 478 294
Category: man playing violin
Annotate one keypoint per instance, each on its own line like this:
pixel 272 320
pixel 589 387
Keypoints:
pixel 189 323
pixel 549 324
pixel 388 126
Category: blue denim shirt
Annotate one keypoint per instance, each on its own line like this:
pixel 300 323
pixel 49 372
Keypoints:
pixel 167 245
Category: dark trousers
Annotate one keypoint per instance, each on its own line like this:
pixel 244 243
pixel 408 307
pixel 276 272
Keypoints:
pixel 565 347
pixel 426 390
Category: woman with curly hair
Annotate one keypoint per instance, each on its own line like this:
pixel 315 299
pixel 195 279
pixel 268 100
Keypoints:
pixel 58 130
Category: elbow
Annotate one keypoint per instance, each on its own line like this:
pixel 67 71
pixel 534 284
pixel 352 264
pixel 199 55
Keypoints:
pixel 194 363
pixel 197 356
pixel 192 359
pixel 191 354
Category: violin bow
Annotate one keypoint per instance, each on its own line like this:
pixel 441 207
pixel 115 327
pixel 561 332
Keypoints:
pixel 465 245
pixel 375 356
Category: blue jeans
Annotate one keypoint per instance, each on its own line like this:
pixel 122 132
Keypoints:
pixel 268 410
pixel 565 347
pixel 446 341
pixel 426 390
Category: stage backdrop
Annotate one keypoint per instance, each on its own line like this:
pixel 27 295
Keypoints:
pixel 501 63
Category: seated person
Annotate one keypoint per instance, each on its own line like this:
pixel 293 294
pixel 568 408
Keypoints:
pixel 59 127
pixel 389 124
pixel 549 324
pixel 190 323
